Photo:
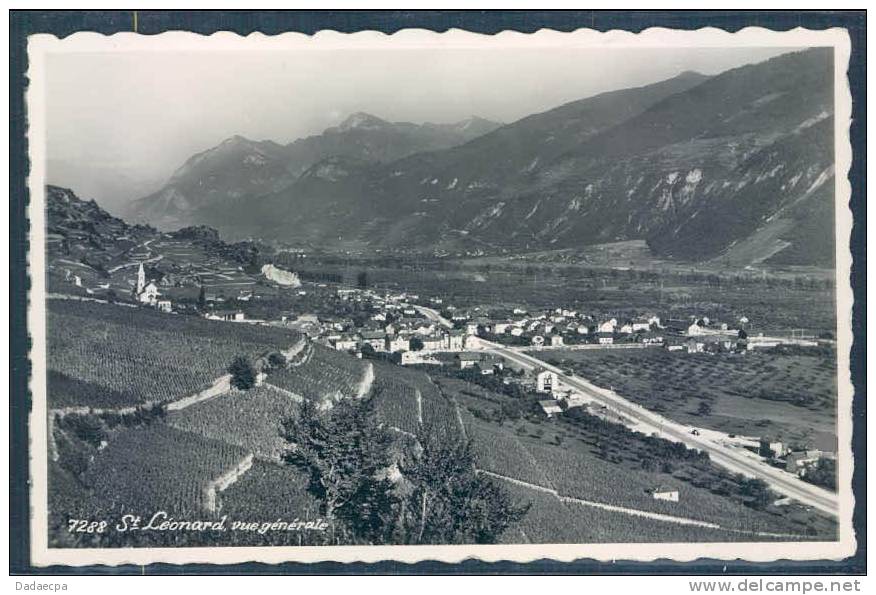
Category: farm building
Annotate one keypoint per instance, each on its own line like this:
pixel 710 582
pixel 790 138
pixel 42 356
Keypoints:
pixel 500 328
pixel 550 407
pixel 545 381
pixel 346 342
pixel 226 315
pixel 607 327
pixel 433 343
pixel 488 363
pixel 454 340
pixel 605 338
pixel 417 357
pixel 642 324
pixel 397 343
pixel 557 341
pixel 377 339
pixel 694 346
pixel 776 447
pixel 799 463
pixel 468 360
pixel 664 493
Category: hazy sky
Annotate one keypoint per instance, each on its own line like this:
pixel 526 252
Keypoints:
pixel 142 114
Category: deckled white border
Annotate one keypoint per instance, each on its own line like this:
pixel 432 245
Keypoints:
pixel 40 46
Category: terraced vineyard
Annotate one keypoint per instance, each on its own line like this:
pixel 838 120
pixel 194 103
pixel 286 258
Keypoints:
pixel 503 453
pixel 396 401
pixel 157 467
pixel 326 374
pixel 267 492
pixel 113 356
pixel 408 400
pixel 550 520
pixel 590 478
pixel 249 419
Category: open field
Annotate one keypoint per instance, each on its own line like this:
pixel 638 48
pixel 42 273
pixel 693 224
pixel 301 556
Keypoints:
pixel 787 396
pixel 131 356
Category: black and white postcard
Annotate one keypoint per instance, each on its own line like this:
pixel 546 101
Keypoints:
pixel 440 296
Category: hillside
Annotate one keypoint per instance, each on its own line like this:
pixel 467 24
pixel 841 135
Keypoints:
pixel 733 168
pixel 241 169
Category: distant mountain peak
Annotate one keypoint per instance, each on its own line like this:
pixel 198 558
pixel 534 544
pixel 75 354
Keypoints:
pixel 237 139
pixel 362 121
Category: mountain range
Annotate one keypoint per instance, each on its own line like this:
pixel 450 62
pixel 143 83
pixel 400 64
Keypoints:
pixel 239 168
pixel 736 167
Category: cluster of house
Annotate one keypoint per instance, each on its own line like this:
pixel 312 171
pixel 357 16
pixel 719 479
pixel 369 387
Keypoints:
pixel 560 326
pixel 392 339
pixel 486 363
pixel 798 462
pixel 396 326
pixel 802 462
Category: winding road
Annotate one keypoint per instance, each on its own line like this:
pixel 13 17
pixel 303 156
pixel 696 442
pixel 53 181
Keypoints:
pixel 731 458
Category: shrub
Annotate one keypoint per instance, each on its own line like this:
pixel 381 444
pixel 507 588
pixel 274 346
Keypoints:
pixel 243 374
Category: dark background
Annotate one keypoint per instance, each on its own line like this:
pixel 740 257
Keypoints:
pixel 63 23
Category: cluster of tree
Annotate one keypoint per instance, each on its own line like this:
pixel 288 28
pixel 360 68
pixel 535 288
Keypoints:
pixel 79 435
pixel 243 373
pixel 615 438
pixel 823 474
pixel 93 428
pixel 375 488
pixel 756 491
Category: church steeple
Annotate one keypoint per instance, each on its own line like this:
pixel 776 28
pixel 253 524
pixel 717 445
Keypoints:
pixel 141 279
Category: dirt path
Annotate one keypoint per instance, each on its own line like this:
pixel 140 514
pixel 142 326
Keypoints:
pixel 419 407
pixel 219 387
pixel 224 481
pixel 366 382
pixel 294 396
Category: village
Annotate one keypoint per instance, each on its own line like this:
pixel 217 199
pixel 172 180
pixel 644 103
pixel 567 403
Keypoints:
pixel 412 330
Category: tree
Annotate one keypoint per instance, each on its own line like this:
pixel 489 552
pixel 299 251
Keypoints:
pixel 276 359
pixel 449 501
pixel 362 280
pixel 705 408
pixel 374 489
pixel 202 299
pixel 824 474
pixel 416 344
pixel 757 491
pixel 345 453
pixel 243 375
